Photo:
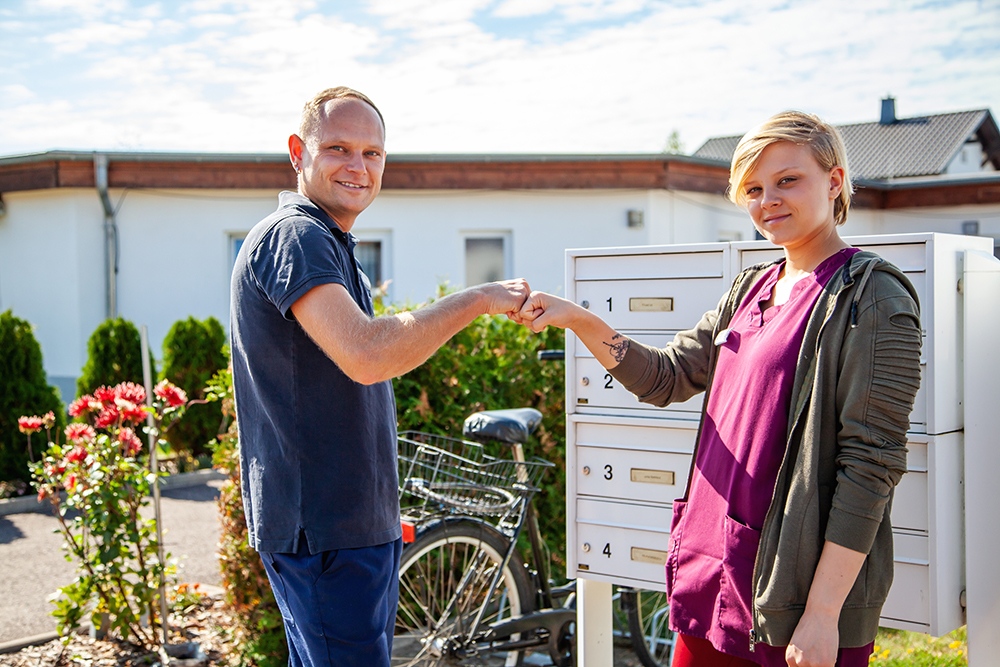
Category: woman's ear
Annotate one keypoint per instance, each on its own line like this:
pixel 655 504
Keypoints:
pixel 836 181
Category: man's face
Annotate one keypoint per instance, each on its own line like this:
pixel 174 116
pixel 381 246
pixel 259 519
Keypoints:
pixel 341 161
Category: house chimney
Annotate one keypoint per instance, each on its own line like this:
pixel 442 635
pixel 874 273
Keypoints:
pixel 888 111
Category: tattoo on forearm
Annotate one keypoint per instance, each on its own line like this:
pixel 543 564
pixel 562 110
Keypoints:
pixel 619 346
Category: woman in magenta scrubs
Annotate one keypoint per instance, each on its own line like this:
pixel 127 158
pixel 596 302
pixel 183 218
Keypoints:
pixel 781 548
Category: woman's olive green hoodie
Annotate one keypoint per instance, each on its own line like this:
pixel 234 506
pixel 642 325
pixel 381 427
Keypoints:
pixel 857 375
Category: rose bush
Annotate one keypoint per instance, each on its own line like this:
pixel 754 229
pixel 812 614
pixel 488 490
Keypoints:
pixel 98 481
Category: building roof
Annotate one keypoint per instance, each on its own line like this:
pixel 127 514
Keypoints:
pixel 272 171
pixel 907 147
pixel 61 169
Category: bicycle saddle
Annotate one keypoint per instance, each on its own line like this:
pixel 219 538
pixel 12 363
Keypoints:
pixel 510 426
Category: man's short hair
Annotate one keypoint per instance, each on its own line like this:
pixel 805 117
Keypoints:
pixel 803 129
pixel 312 112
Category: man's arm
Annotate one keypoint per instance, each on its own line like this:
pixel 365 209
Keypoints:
pixel 371 350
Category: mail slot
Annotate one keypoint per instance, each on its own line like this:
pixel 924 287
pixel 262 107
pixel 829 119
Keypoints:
pixel 664 304
pixel 646 476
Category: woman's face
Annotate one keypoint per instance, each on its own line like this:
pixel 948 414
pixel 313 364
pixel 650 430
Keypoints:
pixel 790 196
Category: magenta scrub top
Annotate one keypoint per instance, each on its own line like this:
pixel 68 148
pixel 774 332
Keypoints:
pixel 716 531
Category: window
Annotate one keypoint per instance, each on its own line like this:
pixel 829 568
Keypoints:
pixel 369 254
pixel 235 243
pixel 374 254
pixel 487 258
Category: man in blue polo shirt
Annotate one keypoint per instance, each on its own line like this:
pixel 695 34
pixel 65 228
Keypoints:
pixel 312 371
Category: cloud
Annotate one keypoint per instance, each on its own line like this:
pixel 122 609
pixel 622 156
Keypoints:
pixel 590 76
pixel 101 34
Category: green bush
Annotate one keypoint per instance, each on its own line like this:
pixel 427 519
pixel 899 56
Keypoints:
pixel 194 351
pixel 490 365
pixel 113 357
pixel 23 391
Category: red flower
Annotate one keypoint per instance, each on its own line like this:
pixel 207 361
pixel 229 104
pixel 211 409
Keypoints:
pixel 104 394
pixel 108 416
pixel 131 392
pixel 71 482
pixel 130 442
pixel 29 425
pixel 77 454
pixel 80 433
pixel 130 412
pixel 171 393
pixel 81 405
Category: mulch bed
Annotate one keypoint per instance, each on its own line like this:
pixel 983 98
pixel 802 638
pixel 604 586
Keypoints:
pixel 206 623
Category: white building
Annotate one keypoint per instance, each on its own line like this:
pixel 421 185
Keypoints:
pixel 152 236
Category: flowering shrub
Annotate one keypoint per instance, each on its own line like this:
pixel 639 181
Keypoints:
pixel 103 470
pixel 258 629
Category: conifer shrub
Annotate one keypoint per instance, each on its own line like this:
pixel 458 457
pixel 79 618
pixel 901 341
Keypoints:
pixel 113 356
pixel 193 352
pixel 24 389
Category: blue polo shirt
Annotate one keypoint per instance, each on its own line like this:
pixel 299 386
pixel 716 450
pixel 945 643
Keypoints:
pixel 317 449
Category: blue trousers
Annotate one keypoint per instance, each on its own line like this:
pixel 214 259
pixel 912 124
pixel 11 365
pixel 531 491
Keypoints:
pixel 339 607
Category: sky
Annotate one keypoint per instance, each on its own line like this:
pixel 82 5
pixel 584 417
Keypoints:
pixel 478 76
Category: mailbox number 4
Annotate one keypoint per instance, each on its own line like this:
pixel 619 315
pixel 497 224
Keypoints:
pixel 607 550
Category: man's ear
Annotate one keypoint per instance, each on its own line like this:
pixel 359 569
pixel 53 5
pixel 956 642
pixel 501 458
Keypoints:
pixel 295 152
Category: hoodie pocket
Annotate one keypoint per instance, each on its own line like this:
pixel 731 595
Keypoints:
pixel 680 508
pixel 735 597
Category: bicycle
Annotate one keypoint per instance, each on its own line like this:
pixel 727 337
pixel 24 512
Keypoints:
pixel 466 594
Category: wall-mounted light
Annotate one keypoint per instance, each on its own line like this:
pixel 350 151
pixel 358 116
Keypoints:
pixel 635 218
pixel 970 228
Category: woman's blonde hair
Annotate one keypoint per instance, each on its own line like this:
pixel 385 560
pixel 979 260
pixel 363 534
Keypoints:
pixel 799 128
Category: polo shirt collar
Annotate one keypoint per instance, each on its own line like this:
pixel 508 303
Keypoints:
pixel 287 198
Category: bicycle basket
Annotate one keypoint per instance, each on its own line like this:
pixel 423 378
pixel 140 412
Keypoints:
pixel 439 474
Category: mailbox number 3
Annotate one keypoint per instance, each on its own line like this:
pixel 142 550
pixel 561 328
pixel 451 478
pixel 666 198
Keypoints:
pixel 608 472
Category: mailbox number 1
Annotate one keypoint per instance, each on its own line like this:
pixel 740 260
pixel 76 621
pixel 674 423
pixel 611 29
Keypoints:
pixel 609 304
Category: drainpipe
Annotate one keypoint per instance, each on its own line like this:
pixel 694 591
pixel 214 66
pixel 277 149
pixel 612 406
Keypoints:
pixel 110 234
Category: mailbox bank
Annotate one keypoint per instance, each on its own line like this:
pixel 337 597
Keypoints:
pixel 628 461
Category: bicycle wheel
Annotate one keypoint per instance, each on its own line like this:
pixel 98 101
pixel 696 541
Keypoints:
pixel 652 640
pixel 438 602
